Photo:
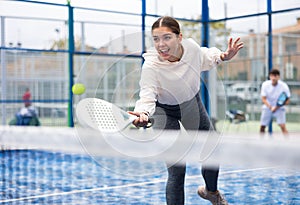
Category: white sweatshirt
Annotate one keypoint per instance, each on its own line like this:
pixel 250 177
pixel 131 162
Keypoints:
pixel 173 83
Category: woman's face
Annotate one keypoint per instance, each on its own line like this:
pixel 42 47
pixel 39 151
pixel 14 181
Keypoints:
pixel 167 43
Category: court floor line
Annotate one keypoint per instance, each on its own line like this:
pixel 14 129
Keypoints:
pixel 81 191
pixel 119 186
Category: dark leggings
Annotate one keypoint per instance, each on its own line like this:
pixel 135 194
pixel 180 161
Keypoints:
pixel 193 117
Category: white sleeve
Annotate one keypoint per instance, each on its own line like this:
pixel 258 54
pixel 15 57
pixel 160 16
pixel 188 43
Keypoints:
pixel 210 57
pixel 263 90
pixel 148 92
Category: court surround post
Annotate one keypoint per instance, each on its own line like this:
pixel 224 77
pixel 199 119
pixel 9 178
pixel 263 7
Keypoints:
pixel 205 43
pixel 270 50
pixel 70 59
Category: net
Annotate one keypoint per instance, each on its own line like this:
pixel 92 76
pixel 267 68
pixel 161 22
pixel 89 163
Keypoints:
pixel 148 145
pixel 44 165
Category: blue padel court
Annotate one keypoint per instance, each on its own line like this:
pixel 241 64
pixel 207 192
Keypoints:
pixel 38 177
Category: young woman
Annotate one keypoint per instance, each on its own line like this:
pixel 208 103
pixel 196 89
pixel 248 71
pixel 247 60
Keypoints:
pixel 169 87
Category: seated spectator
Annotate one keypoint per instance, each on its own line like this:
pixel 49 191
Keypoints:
pixel 27 98
pixel 27 116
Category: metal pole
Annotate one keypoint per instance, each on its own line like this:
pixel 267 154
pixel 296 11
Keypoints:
pixel 205 43
pixel 143 26
pixel 225 43
pixel 270 48
pixel 70 59
pixel 3 71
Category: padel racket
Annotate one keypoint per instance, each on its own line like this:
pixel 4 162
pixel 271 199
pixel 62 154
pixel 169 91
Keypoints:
pixel 104 116
pixel 281 99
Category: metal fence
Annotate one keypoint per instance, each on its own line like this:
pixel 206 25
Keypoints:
pixel 111 71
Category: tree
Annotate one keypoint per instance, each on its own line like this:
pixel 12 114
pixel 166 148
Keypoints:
pixel 62 44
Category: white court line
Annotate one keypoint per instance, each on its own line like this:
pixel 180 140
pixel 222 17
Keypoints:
pixel 248 170
pixel 81 191
pixel 121 186
pixel 234 171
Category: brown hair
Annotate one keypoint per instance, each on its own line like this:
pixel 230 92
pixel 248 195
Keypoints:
pixel 274 72
pixel 169 22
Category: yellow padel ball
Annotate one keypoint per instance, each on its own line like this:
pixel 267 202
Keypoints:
pixel 78 88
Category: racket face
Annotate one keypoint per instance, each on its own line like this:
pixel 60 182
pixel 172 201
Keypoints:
pixel 102 115
pixel 281 99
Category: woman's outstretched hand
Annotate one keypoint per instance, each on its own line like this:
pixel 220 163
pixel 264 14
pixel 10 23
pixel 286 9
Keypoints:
pixel 232 49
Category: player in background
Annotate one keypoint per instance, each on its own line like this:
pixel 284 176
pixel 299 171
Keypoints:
pixel 270 92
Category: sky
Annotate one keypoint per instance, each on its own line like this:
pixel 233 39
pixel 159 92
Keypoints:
pixel 41 34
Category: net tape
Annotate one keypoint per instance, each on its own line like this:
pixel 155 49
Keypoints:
pixel 211 148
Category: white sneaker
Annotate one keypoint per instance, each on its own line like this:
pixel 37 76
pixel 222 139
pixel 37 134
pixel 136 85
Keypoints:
pixel 216 198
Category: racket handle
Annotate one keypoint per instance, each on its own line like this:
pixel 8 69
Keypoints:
pixel 150 123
